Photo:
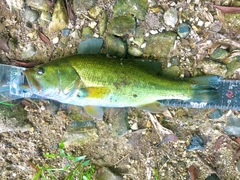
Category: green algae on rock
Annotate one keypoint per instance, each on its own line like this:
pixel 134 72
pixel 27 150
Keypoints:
pixel 115 46
pixel 159 45
pixel 219 54
pixel 87 32
pixel 83 5
pixel 38 4
pixel 122 25
pixel 233 65
pixel 59 18
pixel 138 8
pixel 134 51
pixel 90 46
pixel 95 11
pixel 102 22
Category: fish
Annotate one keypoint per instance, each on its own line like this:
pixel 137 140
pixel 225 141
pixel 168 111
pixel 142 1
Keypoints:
pixel 96 82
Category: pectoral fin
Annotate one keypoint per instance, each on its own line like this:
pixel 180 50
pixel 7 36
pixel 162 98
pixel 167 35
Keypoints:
pixel 154 107
pixel 93 92
pixel 94 111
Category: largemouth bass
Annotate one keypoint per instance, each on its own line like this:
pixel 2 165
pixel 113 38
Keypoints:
pixel 95 81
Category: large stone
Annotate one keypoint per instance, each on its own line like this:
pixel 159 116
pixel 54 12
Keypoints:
pixel 159 45
pixel 38 4
pixel 59 18
pixel 122 25
pixel 138 8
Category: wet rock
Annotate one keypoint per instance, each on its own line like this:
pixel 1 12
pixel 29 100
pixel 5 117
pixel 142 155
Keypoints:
pixel 215 114
pixel 65 32
pixel 159 45
pixel 135 51
pixel 122 25
pixel 115 46
pixel 220 54
pixel 102 22
pixel 38 4
pixel 233 65
pixel 90 46
pixel 46 16
pixel 59 18
pixel 79 133
pixel 83 5
pixel 171 17
pixel 233 126
pixel 183 30
pixel 139 36
pixel 95 11
pixel 172 71
pixel 28 51
pixel 31 15
pixel 212 177
pixel 55 40
pixel 138 8
pixel 214 68
pixel 174 61
pixel 87 32
pixel 197 143
pixel 106 174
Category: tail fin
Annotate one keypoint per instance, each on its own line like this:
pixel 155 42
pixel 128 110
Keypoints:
pixel 206 88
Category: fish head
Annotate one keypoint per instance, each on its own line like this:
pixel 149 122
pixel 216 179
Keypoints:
pixel 52 80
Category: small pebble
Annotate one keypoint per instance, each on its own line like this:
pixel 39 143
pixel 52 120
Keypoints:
pixel 55 40
pixel 65 32
pixel 183 30
pixel 197 143
pixel 212 177
pixel 92 24
pixel 153 31
pixel 200 23
pixel 171 17
pixel 31 15
pixel 134 126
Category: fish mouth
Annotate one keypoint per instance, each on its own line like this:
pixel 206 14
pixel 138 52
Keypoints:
pixel 32 82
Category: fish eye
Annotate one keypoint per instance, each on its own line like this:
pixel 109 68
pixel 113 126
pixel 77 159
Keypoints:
pixel 40 71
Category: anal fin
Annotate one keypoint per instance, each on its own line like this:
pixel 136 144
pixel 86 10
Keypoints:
pixel 94 111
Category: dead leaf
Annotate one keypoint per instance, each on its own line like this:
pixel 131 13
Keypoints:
pixel 4 45
pixel 70 12
pixel 193 172
pixel 25 64
pixel 43 37
pixel 218 143
pixel 227 9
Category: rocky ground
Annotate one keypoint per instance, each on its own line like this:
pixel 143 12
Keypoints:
pixel 188 37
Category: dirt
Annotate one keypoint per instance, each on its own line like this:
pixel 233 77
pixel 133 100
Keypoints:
pixel 32 128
